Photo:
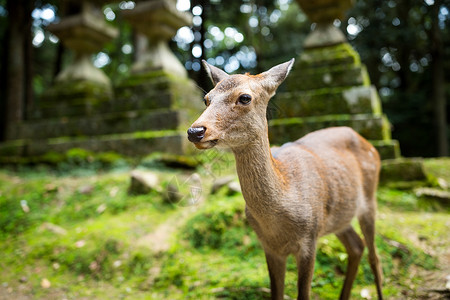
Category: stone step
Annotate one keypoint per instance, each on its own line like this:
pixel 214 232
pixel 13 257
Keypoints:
pixel 290 129
pixel 387 149
pixel 352 100
pixel 328 77
pixel 341 54
pixel 77 89
pixel 129 144
pixel 81 107
pixel 110 123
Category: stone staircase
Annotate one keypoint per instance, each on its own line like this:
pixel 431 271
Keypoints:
pixel 145 113
pixel 327 87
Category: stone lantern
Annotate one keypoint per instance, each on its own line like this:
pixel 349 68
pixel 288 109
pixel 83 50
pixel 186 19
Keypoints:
pixel 323 13
pixel 84 33
pixel 157 21
pixel 329 86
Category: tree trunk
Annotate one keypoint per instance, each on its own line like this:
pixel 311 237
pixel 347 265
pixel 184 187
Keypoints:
pixel 28 60
pixel 16 68
pixel 438 85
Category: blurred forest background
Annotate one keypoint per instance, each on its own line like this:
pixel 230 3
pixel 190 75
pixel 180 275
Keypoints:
pixel 405 45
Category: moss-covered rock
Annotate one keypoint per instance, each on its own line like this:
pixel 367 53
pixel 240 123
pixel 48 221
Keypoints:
pixel 388 149
pixel 91 91
pixel 289 129
pixel 340 54
pixel 328 101
pixel 403 169
pixel 101 124
pixel 332 76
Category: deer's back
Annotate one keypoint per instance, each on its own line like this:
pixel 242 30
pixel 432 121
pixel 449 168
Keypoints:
pixel 336 170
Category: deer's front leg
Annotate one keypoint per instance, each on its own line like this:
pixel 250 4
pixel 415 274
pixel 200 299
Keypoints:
pixel 277 270
pixel 305 264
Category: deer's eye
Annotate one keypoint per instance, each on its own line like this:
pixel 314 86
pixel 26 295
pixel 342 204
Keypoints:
pixel 206 101
pixel 245 99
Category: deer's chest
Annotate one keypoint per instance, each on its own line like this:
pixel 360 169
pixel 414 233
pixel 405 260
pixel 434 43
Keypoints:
pixel 281 231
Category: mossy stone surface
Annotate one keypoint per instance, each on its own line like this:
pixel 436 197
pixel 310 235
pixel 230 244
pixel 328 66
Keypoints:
pixel 388 149
pixel 340 54
pixel 403 169
pixel 329 86
pixel 12 148
pixel 290 129
pixel 148 112
pixel 117 122
pixel 65 91
pixel 124 144
pixel 354 100
pixel 165 90
pixel 335 76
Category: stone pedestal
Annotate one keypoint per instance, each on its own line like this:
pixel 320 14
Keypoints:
pixel 157 21
pixel 147 112
pixel 328 86
pixel 85 34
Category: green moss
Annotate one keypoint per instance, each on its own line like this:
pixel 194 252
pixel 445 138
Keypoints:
pixel 215 254
pixel 340 54
pixel 289 129
pixel 92 91
pixel 12 148
pixel 210 227
pixel 403 169
pixel 142 78
pixel 323 102
pixel 438 167
pixel 388 149
pixel 329 76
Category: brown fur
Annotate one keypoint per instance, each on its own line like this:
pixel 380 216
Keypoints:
pixel 300 191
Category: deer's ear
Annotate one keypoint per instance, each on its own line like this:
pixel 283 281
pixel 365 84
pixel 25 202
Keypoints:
pixel 214 73
pixel 272 78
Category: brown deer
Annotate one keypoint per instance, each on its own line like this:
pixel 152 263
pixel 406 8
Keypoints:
pixel 300 191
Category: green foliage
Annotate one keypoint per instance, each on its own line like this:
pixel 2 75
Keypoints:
pixel 13 200
pixel 400 63
pixel 213 254
pixel 222 225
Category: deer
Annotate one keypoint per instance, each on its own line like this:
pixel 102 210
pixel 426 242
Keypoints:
pixel 298 192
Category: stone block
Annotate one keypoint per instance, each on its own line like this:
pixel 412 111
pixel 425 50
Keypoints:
pixel 290 129
pixel 389 149
pixel 142 182
pixel 77 89
pixel 441 196
pixel 356 100
pixel 328 77
pixel 341 54
pixel 151 99
pixel 12 148
pixel 122 122
pixel 402 169
pixel 132 144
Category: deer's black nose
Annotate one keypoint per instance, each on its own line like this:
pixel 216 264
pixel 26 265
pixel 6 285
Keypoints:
pixel 195 134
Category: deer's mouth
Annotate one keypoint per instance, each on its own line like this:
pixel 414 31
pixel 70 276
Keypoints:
pixel 206 144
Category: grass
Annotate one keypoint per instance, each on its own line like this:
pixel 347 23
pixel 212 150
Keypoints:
pixel 90 239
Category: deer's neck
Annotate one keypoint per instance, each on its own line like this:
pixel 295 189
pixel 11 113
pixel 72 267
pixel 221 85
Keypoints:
pixel 261 179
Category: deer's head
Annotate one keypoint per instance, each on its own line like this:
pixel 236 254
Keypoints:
pixel 235 112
